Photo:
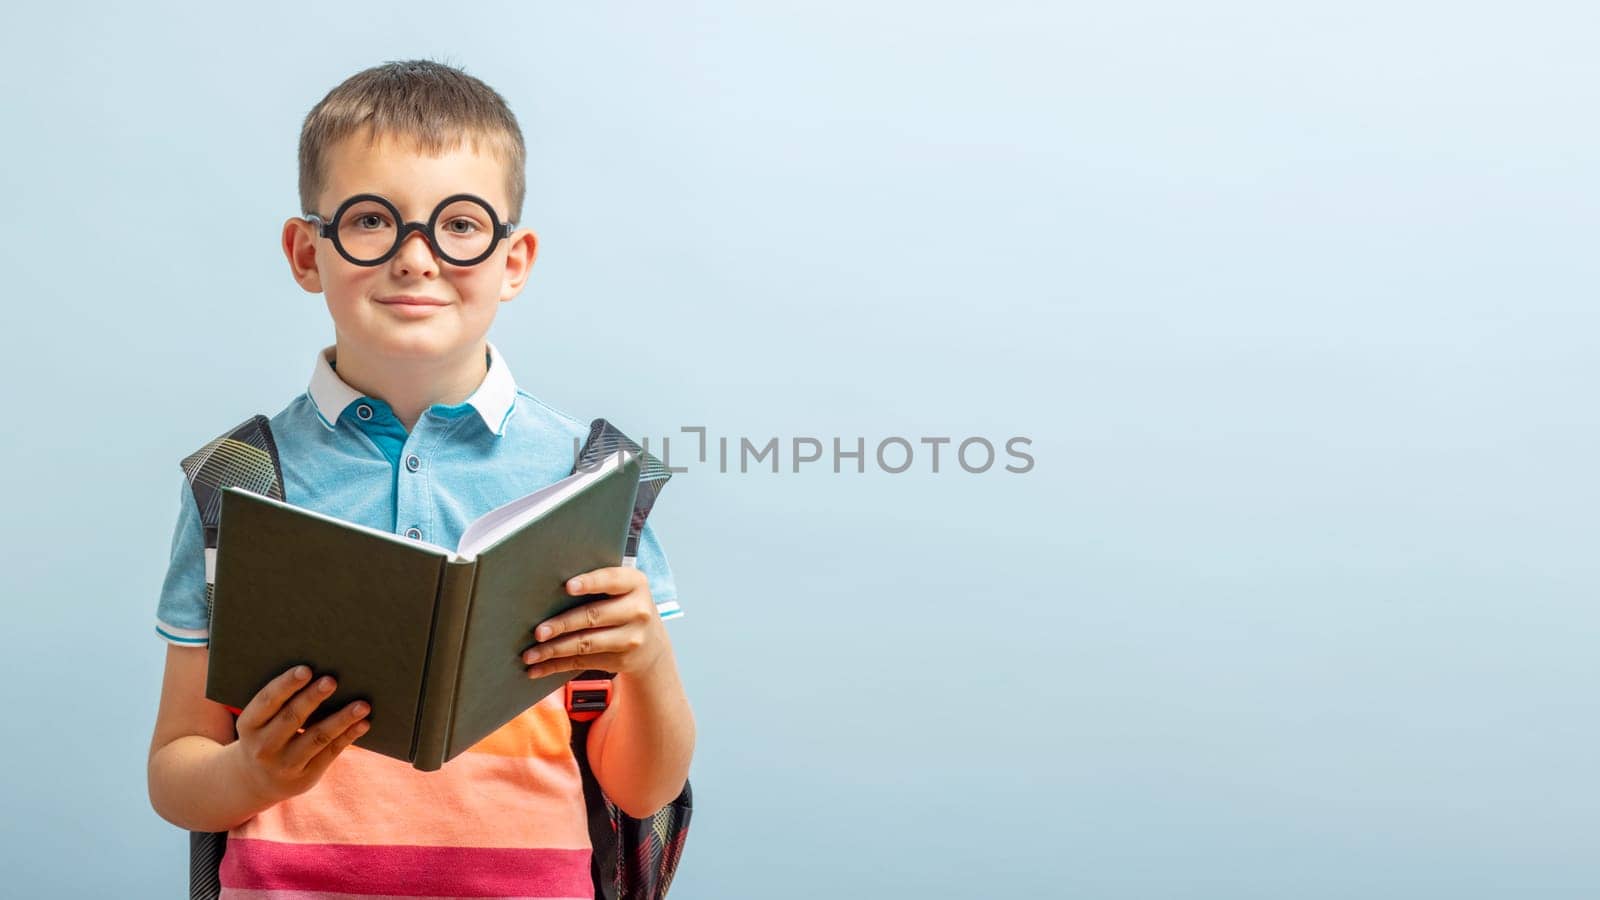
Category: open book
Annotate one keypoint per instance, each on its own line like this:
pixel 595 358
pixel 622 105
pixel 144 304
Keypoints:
pixel 431 638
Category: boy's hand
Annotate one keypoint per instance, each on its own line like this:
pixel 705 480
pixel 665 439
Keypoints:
pixel 278 760
pixel 621 633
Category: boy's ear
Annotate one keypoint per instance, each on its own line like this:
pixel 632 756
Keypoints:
pixel 300 247
pixel 519 259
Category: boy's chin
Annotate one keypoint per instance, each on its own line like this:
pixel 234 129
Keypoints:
pixel 413 343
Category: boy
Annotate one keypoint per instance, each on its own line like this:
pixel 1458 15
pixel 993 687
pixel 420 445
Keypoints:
pixel 410 174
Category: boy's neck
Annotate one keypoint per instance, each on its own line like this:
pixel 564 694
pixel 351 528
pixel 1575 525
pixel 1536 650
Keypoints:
pixel 410 386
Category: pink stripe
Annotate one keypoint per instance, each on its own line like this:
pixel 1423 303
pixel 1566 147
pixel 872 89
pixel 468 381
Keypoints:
pixel 234 894
pixel 367 869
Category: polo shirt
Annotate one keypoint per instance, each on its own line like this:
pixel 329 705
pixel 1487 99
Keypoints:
pixel 506 818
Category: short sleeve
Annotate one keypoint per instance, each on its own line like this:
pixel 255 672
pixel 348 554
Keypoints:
pixel 653 563
pixel 181 614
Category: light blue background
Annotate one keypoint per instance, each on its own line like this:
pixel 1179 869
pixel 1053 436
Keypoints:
pixel 1296 305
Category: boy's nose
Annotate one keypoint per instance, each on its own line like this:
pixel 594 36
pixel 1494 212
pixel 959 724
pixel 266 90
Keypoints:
pixel 416 255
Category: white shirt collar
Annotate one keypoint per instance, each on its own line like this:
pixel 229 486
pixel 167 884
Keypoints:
pixel 493 399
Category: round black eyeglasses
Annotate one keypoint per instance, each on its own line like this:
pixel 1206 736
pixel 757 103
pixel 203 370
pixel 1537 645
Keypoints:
pixel 368 230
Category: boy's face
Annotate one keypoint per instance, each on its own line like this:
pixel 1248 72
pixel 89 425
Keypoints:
pixel 367 316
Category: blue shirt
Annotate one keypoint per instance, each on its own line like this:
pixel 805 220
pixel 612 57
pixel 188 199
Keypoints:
pixel 347 455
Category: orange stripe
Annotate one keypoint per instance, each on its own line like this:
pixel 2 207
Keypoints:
pixel 544 730
pixel 486 797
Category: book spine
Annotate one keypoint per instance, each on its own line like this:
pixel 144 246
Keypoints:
pixel 437 707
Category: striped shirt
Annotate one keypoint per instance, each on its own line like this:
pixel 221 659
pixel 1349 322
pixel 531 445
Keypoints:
pixel 504 819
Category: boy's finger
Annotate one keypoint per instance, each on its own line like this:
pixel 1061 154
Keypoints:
pixel 584 643
pixel 594 614
pixel 610 580
pixel 293 715
pixel 326 755
pixel 324 733
pixel 267 701
pixel 605 662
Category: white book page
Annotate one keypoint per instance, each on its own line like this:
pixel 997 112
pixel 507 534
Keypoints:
pixel 486 530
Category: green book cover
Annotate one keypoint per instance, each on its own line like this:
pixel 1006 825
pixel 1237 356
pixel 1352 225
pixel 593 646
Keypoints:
pixel 432 638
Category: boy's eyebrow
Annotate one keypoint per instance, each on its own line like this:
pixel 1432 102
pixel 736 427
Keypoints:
pixel 427 207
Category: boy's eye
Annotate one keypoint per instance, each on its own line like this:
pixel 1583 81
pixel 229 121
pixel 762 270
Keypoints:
pixel 461 226
pixel 370 220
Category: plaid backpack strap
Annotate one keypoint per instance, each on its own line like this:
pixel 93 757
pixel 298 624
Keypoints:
pixel 604 440
pixel 247 457
pixel 631 859
pixel 205 864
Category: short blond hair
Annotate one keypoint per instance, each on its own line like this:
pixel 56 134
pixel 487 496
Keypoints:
pixel 435 106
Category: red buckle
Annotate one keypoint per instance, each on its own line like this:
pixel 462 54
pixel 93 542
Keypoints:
pixel 586 700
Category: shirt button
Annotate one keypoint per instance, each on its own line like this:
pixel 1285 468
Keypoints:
pixel 412 463
pixel 414 533
pixel 364 412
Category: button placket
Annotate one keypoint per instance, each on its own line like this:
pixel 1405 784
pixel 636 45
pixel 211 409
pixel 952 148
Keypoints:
pixel 413 491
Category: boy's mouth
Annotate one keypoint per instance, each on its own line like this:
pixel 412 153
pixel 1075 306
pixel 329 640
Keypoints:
pixel 409 300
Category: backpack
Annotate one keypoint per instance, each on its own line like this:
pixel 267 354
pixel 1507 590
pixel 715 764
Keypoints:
pixel 632 859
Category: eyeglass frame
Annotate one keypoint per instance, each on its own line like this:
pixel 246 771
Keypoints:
pixel 325 227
